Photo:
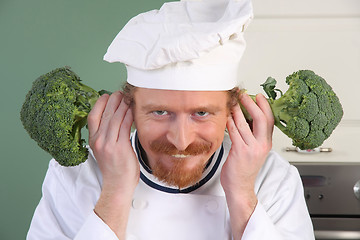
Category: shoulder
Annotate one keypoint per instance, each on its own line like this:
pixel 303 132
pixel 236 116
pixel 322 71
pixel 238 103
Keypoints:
pixel 274 160
pixel 277 181
pixel 277 170
pixel 83 179
pixel 69 195
pixel 275 165
pixel 276 174
pixel 70 174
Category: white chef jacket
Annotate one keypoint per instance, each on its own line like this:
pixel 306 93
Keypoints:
pixel 161 212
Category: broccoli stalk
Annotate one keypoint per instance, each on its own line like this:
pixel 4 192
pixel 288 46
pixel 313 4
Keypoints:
pixel 307 112
pixel 54 112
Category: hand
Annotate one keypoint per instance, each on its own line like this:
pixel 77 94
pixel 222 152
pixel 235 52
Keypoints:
pixel 109 125
pixel 250 147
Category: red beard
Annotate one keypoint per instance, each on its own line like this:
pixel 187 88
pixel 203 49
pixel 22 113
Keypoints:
pixel 178 175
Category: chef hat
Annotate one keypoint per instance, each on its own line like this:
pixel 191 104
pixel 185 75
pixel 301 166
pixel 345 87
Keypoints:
pixel 187 45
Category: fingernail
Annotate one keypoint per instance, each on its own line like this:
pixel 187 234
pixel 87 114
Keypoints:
pixel 242 95
pixel 242 91
pixel 261 95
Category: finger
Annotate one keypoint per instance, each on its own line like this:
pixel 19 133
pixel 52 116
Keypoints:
pixel 242 125
pixel 94 117
pixel 116 122
pixel 111 106
pixel 259 124
pixel 264 105
pixel 126 126
pixel 233 132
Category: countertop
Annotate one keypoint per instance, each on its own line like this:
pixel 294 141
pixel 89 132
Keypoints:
pixel 344 142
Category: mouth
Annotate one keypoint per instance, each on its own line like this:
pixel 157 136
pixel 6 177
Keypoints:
pixel 180 156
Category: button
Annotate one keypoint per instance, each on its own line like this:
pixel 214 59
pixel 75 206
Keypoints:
pixel 212 206
pixel 321 196
pixel 139 204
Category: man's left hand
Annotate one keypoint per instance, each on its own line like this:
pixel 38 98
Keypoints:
pixel 250 147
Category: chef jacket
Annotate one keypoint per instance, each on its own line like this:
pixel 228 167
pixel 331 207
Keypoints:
pixel 159 211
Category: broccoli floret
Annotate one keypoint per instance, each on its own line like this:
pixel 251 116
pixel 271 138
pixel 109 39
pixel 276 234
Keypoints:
pixel 54 112
pixel 307 112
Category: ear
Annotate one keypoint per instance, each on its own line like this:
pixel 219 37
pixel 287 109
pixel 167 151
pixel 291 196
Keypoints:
pixel 133 126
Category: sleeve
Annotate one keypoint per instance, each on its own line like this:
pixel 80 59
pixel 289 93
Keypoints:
pixel 281 212
pixel 64 212
pixel 94 228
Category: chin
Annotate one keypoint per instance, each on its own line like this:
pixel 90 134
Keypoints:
pixel 180 172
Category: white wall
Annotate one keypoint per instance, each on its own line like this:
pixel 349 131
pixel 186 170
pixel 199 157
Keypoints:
pixel 289 35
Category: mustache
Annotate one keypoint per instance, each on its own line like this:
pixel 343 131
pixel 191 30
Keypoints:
pixel 165 147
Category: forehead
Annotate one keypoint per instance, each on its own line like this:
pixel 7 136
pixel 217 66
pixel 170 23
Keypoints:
pixel 145 97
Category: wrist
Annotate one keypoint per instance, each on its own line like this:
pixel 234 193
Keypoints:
pixel 244 200
pixel 113 207
pixel 241 206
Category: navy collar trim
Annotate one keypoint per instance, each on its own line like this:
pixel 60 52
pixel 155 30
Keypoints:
pixel 141 156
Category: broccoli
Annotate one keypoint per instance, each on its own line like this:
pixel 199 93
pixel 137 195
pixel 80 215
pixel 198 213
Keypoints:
pixel 307 112
pixel 56 109
pixel 54 112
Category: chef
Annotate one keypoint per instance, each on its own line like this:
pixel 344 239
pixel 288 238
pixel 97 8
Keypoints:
pixel 193 168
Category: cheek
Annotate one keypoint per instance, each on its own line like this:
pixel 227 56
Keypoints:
pixel 143 124
pixel 148 130
pixel 214 132
pixel 153 130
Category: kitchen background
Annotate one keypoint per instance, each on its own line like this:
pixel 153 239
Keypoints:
pixel 37 36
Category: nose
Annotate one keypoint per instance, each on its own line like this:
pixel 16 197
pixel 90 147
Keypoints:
pixel 180 133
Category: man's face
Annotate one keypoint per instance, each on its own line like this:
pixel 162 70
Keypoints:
pixel 179 131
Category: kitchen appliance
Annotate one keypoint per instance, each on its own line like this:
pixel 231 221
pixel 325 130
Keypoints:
pixel 331 181
pixel 332 193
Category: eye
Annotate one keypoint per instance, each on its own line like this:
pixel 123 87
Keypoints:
pixel 160 112
pixel 201 114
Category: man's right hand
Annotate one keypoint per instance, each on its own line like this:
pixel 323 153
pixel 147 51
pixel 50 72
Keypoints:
pixel 109 124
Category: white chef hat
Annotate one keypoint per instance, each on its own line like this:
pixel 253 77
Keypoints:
pixel 188 45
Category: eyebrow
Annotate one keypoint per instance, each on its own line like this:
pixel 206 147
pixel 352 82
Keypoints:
pixel 207 108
